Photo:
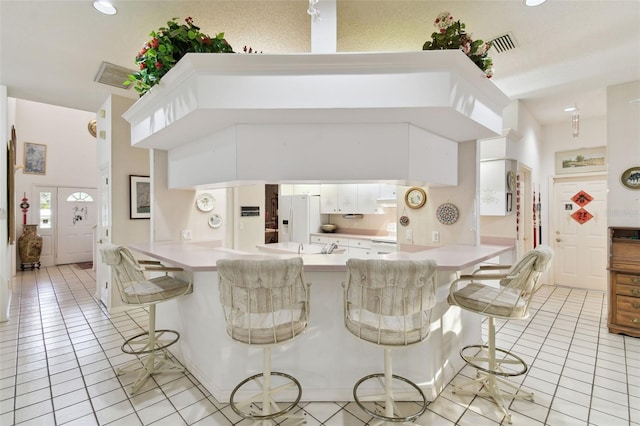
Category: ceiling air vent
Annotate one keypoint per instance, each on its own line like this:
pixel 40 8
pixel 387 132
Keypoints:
pixel 113 75
pixel 504 42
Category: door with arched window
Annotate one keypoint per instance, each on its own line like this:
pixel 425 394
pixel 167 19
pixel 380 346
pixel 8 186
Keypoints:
pixel 76 221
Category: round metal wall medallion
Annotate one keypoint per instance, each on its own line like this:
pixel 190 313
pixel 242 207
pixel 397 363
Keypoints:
pixel 447 213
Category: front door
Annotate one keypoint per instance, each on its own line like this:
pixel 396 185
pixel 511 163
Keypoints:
pixel 44 208
pixel 76 224
pixel 580 232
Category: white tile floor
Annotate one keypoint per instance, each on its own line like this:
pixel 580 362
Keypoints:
pixel 59 350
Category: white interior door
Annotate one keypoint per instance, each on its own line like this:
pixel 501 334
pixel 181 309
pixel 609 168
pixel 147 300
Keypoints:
pixel 580 232
pixel 75 226
pixel 43 205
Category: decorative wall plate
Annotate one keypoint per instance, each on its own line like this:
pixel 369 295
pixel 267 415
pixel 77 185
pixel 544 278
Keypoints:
pixel 447 213
pixel 215 220
pixel 415 197
pixel 404 220
pixel 205 202
pixel 630 178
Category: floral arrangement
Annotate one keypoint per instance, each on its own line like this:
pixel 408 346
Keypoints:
pixel 167 46
pixel 451 34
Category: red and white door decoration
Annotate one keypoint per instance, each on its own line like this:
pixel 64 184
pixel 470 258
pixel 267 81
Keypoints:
pixel 582 199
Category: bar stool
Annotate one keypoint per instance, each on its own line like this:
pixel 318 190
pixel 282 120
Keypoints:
pixel 388 303
pixel 266 303
pixel 498 295
pixel 136 289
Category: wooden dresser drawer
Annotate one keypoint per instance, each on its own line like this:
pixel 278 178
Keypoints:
pixel 622 249
pixel 628 319
pixel 627 290
pixel 625 265
pixel 628 304
pixel 628 279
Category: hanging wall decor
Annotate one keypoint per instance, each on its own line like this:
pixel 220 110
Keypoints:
pixel 630 178
pixel 447 213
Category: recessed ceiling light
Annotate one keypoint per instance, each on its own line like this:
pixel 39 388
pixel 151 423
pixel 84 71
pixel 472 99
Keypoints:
pixel 570 109
pixel 104 6
pixel 534 2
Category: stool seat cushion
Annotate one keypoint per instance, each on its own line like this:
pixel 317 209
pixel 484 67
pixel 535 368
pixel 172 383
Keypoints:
pixel 386 329
pixel 266 328
pixel 499 302
pixel 154 290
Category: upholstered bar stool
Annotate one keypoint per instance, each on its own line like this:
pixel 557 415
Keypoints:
pixel 266 303
pixel 507 296
pixel 136 288
pixel 388 303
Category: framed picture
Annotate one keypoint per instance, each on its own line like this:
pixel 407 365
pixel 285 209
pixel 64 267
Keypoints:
pixel 35 158
pixel 582 160
pixel 630 178
pixel 139 197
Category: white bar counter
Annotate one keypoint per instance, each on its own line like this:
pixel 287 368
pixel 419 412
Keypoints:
pixel 326 359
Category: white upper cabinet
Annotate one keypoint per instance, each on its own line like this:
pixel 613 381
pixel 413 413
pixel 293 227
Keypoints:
pixel 329 199
pixel 353 198
pixel 388 191
pixel 368 195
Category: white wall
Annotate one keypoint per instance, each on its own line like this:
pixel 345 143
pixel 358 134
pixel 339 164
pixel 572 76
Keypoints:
pixel 623 133
pixel 5 259
pixel 175 210
pixel 70 153
pixel 423 221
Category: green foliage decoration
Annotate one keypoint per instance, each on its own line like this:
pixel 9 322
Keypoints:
pixel 167 46
pixel 451 34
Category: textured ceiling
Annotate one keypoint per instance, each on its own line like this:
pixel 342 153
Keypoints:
pixel 568 51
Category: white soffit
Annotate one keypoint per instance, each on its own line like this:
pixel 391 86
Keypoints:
pixel 442 92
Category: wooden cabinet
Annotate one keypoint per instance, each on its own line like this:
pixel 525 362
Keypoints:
pixel 624 281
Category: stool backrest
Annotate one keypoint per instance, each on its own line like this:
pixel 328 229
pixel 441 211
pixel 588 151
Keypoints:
pixel 134 286
pixel 512 297
pixel 264 301
pixel 389 301
pixel 125 269
pixel 523 276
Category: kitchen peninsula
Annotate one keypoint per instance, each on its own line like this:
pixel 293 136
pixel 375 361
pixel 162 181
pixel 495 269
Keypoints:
pixel 326 359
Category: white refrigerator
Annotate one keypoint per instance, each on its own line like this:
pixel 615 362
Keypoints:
pixel 298 216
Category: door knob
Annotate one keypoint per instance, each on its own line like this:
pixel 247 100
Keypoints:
pixel 558 240
pixel 100 241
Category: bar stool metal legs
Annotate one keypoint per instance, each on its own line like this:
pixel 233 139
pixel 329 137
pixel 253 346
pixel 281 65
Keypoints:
pixel 386 408
pixel 489 369
pixel 153 346
pixel 265 395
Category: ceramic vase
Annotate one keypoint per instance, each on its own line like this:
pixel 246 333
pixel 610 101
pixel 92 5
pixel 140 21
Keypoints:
pixel 30 247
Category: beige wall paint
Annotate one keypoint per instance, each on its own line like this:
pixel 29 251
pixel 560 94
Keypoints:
pixel 423 221
pixel 623 134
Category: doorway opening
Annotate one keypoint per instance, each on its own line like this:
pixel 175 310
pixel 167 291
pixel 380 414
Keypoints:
pixel 271 213
pixel 66 218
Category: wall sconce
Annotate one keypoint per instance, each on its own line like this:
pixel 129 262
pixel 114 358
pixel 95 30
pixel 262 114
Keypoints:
pixel 575 123
pixel 575 119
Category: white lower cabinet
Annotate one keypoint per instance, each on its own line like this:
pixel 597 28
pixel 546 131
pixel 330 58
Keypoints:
pixel 355 247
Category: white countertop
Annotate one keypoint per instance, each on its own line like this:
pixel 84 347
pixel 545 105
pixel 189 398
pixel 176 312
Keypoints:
pixel 384 238
pixel 202 256
pixel 291 247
